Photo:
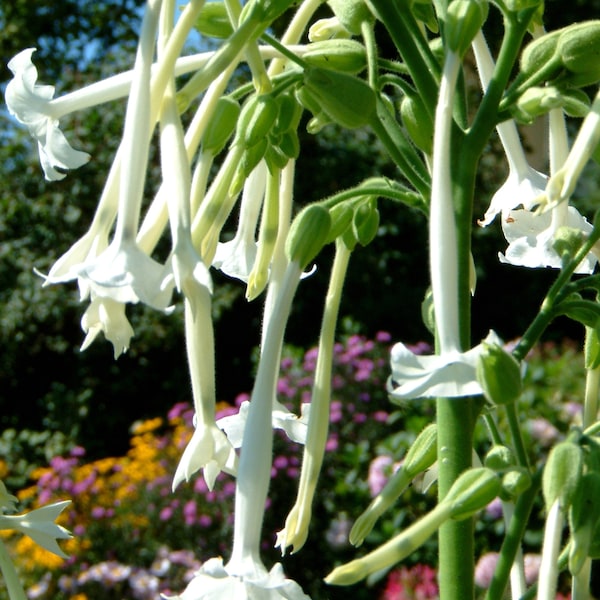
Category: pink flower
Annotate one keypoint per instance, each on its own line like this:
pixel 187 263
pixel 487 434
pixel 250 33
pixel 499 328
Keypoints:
pixel 485 568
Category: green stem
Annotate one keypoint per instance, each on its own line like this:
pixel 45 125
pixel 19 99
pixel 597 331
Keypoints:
pixel 455 442
pixel 9 573
pixel 515 431
pixel 512 539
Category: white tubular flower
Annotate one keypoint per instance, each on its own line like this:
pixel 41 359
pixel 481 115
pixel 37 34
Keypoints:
pixel 245 577
pixel 281 418
pixel 209 450
pixel 107 315
pixel 30 104
pixel 449 375
pixel 524 184
pixel 236 258
pixel 531 237
pixel 214 580
pixel 39 525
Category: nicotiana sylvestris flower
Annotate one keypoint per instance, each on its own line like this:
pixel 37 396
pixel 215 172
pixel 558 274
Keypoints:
pixel 531 236
pixel 294 426
pixel 236 257
pixel 214 580
pixel 39 525
pixel 448 375
pixel 245 577
pixel 107 315
pixel 30 104
pixel 524 184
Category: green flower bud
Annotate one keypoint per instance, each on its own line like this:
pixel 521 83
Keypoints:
pixel 265 11
pixel 317 123
pixel 499 374
pixel 519 5
pixel 347 56
pixel 351 13
pixel 213 21
pixel 275 158
pixel 221 126
pixel 424 12
pixel 514 483
pixel 567 240
pixel 540 52
pixel 499 458
pixel 580 309
pixel 464 18
pixel 579 50
pixel 473 490
pixel 341 220
pixel 562 474
pixel 257 118
pixel 423 452
pixel 344 98
pixel 308 233
pixel 427 311
pixel 584 517
pixel 289 144
pixel 366 222
pixel 289 114
pixel 535 102
pixel 576 103
pixel 418 123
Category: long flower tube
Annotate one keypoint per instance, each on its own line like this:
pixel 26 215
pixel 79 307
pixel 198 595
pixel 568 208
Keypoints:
pixel 450 373
pixel 297 523
pixel 523 184
pixel 244 576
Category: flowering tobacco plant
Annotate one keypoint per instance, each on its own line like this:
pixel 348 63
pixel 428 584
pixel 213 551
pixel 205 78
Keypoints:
pixel 226 141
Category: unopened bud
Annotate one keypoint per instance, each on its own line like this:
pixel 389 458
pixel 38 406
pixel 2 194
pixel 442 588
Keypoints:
pixel 562 474
pixel 221 126
pixel 423 452
pixel 567 241
pixel 540 52
pixel 418 123
pixel 499 374
pixel 464 18
pixel 213 21
pixel 257 118
pixel 308 234
pixel 499 458
pixel 345 99
pixel 347 56
pixel 341 220
pixel 579 50
pixel 365 223
pixel 514 483
pixel 473 490
pixel 351 13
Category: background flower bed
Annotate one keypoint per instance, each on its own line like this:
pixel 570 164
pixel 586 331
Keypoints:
pixel 134 537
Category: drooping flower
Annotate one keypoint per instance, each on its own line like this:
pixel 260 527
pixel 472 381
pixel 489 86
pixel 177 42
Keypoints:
pixel 107 315
pixel 524 184
pixel 39 525
pixel 215 580
pixel 29 103
pixel 531 236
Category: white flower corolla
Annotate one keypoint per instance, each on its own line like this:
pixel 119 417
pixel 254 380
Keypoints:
pixel 236 258
pixel 531 236
pixel 107 315
pixel 215 581
pixel 294 426
pixel 125 273
pixel 524 184
pixel 449 375
pixel 30 104
pixel 209 450
pixel 39 525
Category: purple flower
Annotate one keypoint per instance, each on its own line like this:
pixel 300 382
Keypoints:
pixel 484 570
pixel 379 472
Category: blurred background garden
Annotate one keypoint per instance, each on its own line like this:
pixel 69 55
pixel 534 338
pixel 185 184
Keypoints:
pixel 108 434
